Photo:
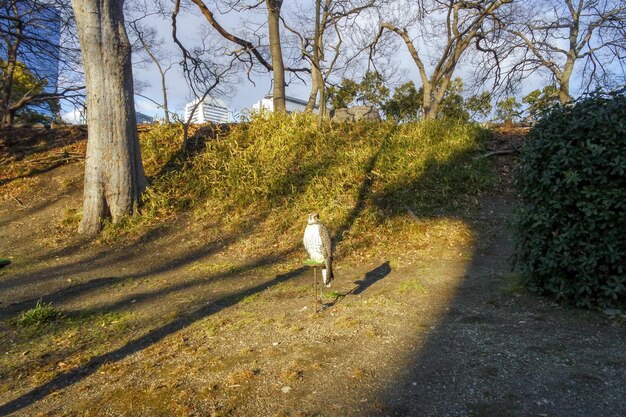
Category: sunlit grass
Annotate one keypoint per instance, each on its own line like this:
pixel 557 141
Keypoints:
pixel 363 178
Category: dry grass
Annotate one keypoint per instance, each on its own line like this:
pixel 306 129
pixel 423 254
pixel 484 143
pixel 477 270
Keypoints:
pixel 362 178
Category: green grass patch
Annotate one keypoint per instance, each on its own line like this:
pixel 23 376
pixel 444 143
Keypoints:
pixel 41 314
pixel 212 268
pixel 72 218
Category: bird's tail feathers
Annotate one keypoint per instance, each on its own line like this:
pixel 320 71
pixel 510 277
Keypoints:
pixel 328 274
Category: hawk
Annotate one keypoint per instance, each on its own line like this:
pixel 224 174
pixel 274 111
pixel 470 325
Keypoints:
pixel 317 244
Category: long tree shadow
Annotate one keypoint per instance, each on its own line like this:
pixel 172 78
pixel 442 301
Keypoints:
pixel 26 142
pixel 364 194
pixel 152 337
pixel 36 171
pixel 491 349
pixel 192 147
pixel 113 258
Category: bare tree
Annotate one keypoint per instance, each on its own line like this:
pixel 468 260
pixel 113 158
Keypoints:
pixel 251 53
pixel 35 42
pixel 560 35
pixel 206 75
pixel 443 31
pixel 150 45
pixel 114 175
pixel 322 40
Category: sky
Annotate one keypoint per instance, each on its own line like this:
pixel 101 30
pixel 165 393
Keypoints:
pixel 244 93
pixel 192 24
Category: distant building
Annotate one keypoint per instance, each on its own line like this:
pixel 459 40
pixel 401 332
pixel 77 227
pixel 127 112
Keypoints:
pixel 143 118
pixel 209 110
pixel 292 104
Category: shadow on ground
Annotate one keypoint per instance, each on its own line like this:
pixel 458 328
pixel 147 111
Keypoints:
pixel 499 351
pixel 153 336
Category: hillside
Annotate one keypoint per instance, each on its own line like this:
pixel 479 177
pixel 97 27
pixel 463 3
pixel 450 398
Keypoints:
pixel 201 306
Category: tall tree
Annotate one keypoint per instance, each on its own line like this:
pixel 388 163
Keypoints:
pixel 322 41
pixel 443 30
pixel 278 67
pixel 251 53
pixel 114 175
pixel 559 35
pixel 149 43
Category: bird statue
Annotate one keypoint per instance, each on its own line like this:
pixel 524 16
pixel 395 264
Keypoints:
pixel 317 243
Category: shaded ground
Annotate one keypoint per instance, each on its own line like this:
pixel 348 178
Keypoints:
pixel 188 321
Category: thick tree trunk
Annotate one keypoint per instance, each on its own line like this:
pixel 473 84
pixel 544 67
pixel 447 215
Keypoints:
pixel 273 23
pixel 427 101
pixel 563 80
pixel 114 176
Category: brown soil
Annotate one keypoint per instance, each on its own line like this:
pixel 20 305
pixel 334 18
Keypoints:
pixel 185 321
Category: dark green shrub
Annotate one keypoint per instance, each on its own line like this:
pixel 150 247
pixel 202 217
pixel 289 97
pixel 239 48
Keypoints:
pixel 571 225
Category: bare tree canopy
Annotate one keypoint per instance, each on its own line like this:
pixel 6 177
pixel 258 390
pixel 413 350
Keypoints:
pixel 564 35
pixel 36 45
pixel 322 35
pixel 437 36
pixel 265 50
pixel 150 51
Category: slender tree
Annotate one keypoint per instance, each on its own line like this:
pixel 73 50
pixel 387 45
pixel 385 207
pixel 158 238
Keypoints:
pixel 114 176
pixel 251 53
pixel 149 42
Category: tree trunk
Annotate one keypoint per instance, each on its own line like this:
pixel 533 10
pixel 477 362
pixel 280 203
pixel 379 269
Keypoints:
pixel 564 79
pixel 7 117
pixel 7 82
pixel 427 101
pixel 310 104
pixel 114 176
pixel 322 105
pixel 166 109
pixel 273 23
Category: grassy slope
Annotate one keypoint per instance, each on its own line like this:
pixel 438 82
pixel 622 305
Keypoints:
pixel 361 178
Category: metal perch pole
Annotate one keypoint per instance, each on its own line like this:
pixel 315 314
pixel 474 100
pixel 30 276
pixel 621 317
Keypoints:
pixel 316 294
pixel 315 287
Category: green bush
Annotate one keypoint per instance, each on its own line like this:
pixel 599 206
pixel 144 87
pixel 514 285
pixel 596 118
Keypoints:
pixel 571 225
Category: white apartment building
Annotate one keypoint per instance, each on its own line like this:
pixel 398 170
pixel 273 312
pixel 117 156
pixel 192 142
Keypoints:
pixel 209 110
pixel 292 104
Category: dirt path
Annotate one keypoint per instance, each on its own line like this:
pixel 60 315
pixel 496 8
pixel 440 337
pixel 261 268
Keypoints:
pixel 183 323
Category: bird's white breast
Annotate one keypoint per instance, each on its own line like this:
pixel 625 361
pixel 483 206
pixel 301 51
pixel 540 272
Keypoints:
pixel 313 242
